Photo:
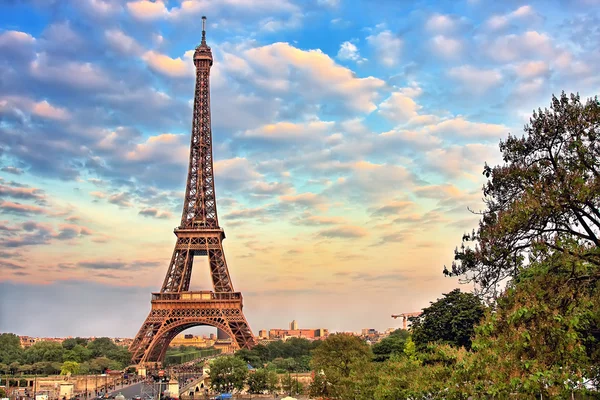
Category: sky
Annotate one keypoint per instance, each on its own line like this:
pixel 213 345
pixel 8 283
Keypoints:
pixel 349 143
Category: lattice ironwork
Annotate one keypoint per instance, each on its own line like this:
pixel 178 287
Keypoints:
pixel 175 309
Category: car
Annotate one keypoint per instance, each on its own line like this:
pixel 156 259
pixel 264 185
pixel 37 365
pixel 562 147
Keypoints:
pixel 136 397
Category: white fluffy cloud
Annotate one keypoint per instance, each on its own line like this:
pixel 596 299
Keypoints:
pixel 475 79
pixel 522 13
pixel 387 46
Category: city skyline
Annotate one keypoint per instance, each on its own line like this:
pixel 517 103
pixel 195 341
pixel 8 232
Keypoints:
pixel 348 144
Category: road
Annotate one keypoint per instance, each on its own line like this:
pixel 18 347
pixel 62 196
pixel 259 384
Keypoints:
pixel 129 391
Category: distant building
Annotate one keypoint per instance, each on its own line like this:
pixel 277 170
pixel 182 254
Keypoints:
pixel 191 340
pixel 263 334
pixel 312 334
pixel 369 331
pixel 293 326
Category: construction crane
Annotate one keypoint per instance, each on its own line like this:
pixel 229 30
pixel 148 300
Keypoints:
pixel 405 317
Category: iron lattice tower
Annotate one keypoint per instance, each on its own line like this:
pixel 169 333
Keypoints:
pixel 175 308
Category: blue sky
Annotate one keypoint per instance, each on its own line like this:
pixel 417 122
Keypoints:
pixel 349 140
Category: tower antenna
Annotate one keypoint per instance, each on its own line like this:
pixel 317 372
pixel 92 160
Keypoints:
pixel 203 29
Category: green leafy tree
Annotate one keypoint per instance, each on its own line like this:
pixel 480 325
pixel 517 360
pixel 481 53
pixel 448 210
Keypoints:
pixel 272 382
pixel 228 373
pixel 544 336
pixel 77 353
pixel 257 381
pixel 319 386
pixel 3 368
pixel 393 344
pixel 2 393
pixel 44 351
pixel 449 320
pixel 13 368
pixel 344 360
pixel 68 344
pixel 69 367
pixel 102 347
pixel 250 357
pixel 287 383
pixel 26 369
pixel 10 348
pixel 547 193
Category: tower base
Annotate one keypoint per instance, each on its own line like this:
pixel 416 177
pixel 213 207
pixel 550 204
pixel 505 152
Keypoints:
pixel 173 313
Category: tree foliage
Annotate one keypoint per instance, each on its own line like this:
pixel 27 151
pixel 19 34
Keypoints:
pixel 293 355
pixel 257 381
pixel 544 336
pixel 449 320
pixel 547 193
pixel 45 357
pixel 393 344
pixel 344 360
pixel 10 348
pixel 228 373
pixel 69 367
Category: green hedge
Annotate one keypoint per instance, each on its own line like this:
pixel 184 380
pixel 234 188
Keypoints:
pixel 180 358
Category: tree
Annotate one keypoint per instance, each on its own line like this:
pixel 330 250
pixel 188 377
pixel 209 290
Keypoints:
pixel 10 348
pixel 393 344
pixel 3 393
pixel 69 367
pixel 228 373
pixel 544 335
pixel 546 194
pixel 44 351
pixel 450 320
pixel 77 353
pixel 287 383
pixel 25 369
pixel 257 381
pixel 344 359
pixel 272 382
pixel 318 387
pixel 102 347
pixel 250 357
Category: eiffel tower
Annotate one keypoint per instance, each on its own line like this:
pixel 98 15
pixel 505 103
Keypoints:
pixel 175 308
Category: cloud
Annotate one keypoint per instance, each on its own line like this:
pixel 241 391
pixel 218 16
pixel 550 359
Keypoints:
pixel 387 47
pixel 311 74
pixel 532 69
pixel 73 74
pixel 459 127
pixel 12 170
pixel 399 108
pixel 475 79
pixel 456 160
pixel 515 47
pixel 8 207
pixel 441 23
pixel 171 67
pixel 147 10
pixel 155 213
pixel 40 109
pixel 344 232
pixel 305 199
pixel 319 220
pixel 391 208
pixel 523 13
pixel 236 169
pixel 288 131
pixel 349 51
pixel 122 43
pixel 23 193
pixel 446 47
pixel 120 199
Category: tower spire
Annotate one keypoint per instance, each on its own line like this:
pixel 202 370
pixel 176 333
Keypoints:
pixel 203 43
